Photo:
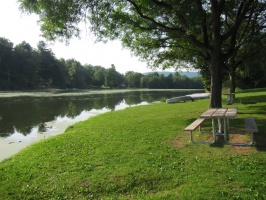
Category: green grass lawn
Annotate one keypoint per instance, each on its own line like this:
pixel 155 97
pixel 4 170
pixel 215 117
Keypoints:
pixel 142 153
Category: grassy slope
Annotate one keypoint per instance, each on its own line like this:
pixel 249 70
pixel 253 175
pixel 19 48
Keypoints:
pixel 141 153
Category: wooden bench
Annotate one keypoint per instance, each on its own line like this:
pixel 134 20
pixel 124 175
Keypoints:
pixel 193 126
pixel 250 127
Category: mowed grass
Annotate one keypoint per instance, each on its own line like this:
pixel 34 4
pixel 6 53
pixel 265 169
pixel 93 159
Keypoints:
pixel 142 153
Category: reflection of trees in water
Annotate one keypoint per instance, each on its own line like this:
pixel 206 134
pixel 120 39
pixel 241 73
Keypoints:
pixel 111 101
pixel 24 113
pixel 132 98
pixel 72 109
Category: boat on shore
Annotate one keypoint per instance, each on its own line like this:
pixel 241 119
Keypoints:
pixel 190 97
pixel 179 99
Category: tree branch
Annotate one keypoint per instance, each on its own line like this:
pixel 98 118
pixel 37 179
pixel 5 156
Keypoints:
pixel 160 25
pixel 240 16
pixel 204 30
pixel 167 29
pixel 163 4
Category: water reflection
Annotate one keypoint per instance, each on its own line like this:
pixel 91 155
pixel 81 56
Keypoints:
pixel 32 115
pixel 57 126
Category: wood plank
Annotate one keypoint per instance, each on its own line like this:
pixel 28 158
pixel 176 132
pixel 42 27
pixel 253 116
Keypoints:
pixel 194 124
pixel 231 113
pixel 208 113
pixel 219 113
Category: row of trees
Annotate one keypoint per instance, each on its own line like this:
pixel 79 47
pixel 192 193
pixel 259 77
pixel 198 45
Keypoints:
pixel 155 80
pixel 23 67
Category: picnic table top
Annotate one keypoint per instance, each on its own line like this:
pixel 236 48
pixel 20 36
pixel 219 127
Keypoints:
pixel 216 113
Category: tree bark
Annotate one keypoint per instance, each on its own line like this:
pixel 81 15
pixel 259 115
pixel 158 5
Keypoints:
pixel 232 74
pixel 216 81
pixel 232 82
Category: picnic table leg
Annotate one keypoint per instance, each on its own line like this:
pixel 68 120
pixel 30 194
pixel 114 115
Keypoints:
pixel 226 130
pixel 220 126
pixel 213 131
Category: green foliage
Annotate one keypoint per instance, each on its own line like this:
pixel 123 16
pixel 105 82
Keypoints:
pixel 175 81
pixel 98 75
pixel 6 64
pixel 23 67
pixel 113 78
pixel 55 17
pixel 252 71
pixel 133 79
pixel 137 153
pixel 26 68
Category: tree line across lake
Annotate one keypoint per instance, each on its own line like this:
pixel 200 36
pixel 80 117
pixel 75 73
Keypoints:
pixel 23 67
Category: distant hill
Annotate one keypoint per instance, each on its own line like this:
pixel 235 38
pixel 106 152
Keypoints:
pixel 166 73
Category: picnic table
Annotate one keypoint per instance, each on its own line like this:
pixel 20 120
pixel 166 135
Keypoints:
pixel 222 115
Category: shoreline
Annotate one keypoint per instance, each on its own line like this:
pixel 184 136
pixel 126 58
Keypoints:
pixel 13 144
pixel 8 94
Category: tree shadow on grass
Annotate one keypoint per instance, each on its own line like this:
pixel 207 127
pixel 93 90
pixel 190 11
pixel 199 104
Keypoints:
pixel 219 142
pixel 260 137
pixel 251 99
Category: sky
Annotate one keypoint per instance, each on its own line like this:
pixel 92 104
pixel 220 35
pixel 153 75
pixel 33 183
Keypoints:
pixel 18 27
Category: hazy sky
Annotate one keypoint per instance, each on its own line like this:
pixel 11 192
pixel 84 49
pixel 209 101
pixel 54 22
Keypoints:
pixel 19 27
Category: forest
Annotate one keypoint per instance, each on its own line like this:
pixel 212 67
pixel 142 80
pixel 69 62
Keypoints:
pixel 23 67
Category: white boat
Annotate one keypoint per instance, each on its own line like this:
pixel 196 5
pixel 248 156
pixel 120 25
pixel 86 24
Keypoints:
pixel 191 97
pixel 179 99
pixel 200 96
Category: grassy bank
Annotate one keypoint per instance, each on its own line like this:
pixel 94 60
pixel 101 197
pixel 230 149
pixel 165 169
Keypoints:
pixel 142 153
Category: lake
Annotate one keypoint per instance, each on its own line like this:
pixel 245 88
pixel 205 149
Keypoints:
pixel 27 117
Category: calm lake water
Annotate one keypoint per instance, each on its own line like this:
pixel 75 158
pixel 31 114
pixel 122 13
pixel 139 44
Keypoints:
pixel 26 117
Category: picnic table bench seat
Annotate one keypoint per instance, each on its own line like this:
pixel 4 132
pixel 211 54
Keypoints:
pixel 193 126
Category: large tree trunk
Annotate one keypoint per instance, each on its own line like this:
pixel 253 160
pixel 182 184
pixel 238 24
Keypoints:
pixel 216 62
pixel 216 82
